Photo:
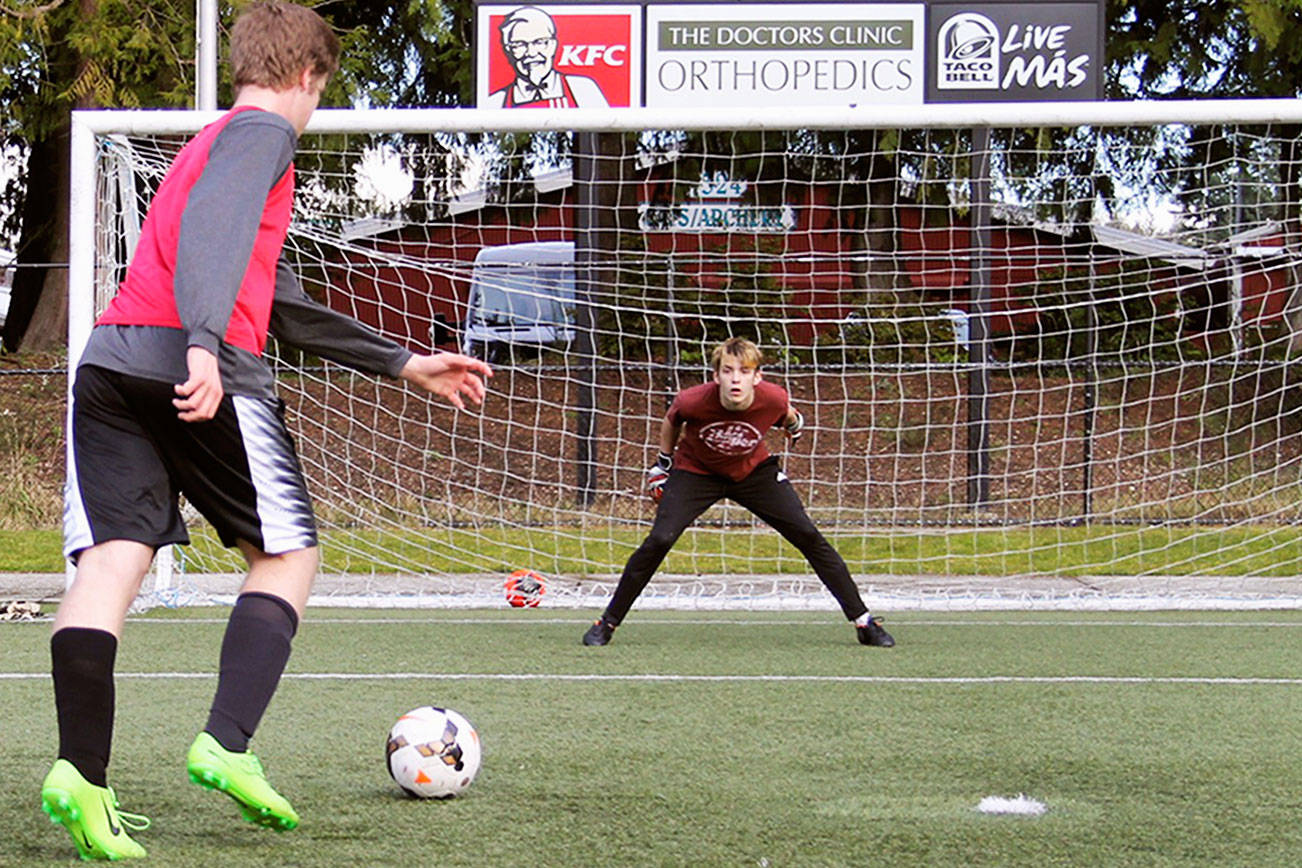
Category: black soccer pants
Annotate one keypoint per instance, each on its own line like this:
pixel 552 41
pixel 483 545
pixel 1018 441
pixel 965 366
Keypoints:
pixel 765 492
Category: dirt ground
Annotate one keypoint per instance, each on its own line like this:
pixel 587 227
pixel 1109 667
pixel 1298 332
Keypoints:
pixel 879 448
pixel 1184 444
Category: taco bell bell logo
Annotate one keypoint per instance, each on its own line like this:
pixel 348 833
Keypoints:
pixel 968 52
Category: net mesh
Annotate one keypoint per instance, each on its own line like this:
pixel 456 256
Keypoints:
pixel 1039 366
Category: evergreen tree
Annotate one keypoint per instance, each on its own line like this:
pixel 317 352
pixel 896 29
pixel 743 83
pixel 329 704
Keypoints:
pixel 62 55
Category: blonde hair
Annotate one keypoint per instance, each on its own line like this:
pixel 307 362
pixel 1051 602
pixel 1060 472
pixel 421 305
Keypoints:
pixel 273 42
pixel 739 348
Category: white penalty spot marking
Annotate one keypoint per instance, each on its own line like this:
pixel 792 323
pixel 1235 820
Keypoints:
pixel 1020 804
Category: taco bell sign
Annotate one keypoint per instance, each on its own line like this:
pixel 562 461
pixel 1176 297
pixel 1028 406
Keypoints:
pixel 997 51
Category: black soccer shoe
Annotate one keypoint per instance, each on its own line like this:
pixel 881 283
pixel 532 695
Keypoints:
pixel 599 633
pixel 872 633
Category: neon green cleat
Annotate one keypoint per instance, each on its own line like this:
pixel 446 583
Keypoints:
pixel 90 814
pixel 240 776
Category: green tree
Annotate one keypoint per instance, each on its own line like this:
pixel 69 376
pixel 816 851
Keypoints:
pixel 1186 49
pixel 414 53
pixel 55 57
pixel 60 55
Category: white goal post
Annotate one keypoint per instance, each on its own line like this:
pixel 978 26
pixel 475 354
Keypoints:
pixel 1044 351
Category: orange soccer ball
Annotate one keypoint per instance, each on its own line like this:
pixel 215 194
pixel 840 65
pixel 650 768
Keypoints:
pixel 524 589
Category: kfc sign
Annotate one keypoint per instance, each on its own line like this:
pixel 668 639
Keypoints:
pixel 558 56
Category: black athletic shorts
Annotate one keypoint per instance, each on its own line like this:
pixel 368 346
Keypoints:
pixel 131 456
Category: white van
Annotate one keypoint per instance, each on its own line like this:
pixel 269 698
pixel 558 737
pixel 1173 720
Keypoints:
pixel 520 294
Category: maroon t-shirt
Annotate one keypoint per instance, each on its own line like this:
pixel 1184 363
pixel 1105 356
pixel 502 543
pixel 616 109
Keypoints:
pixel 725 442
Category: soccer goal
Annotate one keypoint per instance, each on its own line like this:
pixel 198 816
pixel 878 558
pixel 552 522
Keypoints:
pixel 1044 351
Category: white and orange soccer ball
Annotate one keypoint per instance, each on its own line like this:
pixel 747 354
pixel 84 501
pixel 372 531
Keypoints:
pixel 433 753
pixel 525 588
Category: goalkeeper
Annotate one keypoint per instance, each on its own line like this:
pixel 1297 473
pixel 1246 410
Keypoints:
pixel 171 396
pixel 718 429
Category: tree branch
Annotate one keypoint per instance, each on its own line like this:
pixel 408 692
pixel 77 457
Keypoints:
pixel 34 12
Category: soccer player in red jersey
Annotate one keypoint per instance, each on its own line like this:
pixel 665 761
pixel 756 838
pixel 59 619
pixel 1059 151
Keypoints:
pixel 712 447
pixel 172 396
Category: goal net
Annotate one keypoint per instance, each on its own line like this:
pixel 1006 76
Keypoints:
pixel 1043 352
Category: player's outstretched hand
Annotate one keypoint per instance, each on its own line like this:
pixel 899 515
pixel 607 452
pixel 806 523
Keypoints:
pixel 658 474
pixel 795 424
pixel 448 375
pixel 201 394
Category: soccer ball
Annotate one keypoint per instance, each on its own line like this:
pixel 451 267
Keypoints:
pixel 433 753
pixel 525 588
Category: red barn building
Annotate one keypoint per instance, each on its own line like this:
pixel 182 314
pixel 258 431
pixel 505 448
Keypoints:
pixel 417 284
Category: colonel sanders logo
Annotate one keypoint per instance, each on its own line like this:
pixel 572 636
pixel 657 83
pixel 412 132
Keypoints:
pixel 530 43
pixel 731 438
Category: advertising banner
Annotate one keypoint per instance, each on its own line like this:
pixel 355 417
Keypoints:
pixel 776 54
pixel 558 56
pixel 767 55
pixel 1014 51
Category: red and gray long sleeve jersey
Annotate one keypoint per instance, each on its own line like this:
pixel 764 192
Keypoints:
pixel 208 270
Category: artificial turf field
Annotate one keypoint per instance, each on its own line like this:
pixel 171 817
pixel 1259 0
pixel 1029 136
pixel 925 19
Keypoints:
pixel 708 738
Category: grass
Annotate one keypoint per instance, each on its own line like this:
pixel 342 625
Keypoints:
pixel 31 439
pixel 716 739
pixel 31 551
pixel 1099 550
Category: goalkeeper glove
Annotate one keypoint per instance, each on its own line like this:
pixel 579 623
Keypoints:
pixel 658 474
pixel 795 426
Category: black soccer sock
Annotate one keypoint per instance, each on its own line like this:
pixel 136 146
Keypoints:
pixel 254 653
pixel 81 661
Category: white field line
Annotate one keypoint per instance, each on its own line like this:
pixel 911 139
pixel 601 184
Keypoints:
pixel 748 622
pixel 652 677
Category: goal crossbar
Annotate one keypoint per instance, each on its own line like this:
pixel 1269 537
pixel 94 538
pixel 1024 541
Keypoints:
pixel 934 116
